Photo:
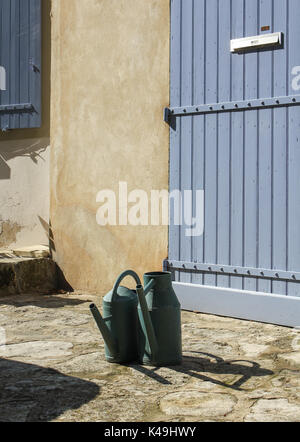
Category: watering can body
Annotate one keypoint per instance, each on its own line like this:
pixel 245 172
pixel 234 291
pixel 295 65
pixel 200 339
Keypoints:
pixel 119 322
pixel 159 312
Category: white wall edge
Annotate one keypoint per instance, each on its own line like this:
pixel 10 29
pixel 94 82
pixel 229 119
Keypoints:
pixel 240 304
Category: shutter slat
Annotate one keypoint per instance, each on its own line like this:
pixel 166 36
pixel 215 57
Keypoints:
pixel 35 60
pixel 5 58
pixel 24 59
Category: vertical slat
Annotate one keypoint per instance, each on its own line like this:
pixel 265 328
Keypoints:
pixel 237 140
pixel 211 138
pixel 294 150
pixel 14 62
pixel 35 60
pixel 250 148
pixel 5 58
pixel 279 179
pixel 224 140
pixel 186 125
pixel 265 148
pixel 24 59
pixel 175 100
pixel 1 53
pixel 198 124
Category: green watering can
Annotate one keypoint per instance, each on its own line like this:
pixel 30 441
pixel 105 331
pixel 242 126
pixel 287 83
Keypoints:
pixel 142 325
pixel 159 312
pixel 119 323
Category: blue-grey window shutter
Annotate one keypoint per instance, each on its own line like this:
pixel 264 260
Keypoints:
pixel 20 64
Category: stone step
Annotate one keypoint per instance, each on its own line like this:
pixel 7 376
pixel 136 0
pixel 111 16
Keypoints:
pixel 36 251
pixel 26 275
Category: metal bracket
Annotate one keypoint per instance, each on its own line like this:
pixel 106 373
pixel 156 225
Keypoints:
pixel 231 106
pixel 248 272
pixel 16 108
pixel 167 115
pixel 11 109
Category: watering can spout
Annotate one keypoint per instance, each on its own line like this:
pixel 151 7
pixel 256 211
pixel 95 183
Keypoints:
pixel 142 292
pixel 107 336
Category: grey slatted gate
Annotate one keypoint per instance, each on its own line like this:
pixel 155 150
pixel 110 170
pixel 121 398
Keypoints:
pixel 235 133
pixel 20 64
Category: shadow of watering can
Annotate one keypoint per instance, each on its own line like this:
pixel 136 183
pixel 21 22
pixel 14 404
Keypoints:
pixel 142 325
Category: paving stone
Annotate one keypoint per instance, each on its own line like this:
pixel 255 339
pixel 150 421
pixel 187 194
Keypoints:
pixel 15 411
pixel 292 358
pixel 37 350
pixel 3 319
pixel 274 410
pixel 254 350
pixel 199 404
pixel 87 363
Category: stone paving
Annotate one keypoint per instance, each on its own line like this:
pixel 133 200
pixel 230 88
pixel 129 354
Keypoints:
pixel 53 369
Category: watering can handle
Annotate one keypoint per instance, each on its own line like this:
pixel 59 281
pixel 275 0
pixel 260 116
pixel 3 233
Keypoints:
pixel 122 276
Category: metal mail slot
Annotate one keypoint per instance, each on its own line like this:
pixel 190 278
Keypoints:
pixel 256 41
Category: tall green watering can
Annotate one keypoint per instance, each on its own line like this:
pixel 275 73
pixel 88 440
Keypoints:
pixel 142 325
pixel 159 312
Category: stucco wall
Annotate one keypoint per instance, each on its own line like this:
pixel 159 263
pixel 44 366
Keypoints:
pixel 24 168
pixel 110 82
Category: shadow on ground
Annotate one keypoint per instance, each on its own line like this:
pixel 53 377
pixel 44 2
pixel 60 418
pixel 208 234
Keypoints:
pixel 42 301
pixel 198 366
pixel 29 393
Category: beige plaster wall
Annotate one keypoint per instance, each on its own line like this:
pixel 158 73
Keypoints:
pixel 110 83
pixel 24 168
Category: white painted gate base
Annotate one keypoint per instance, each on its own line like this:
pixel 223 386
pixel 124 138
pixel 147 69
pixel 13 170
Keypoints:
pixel 240 304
